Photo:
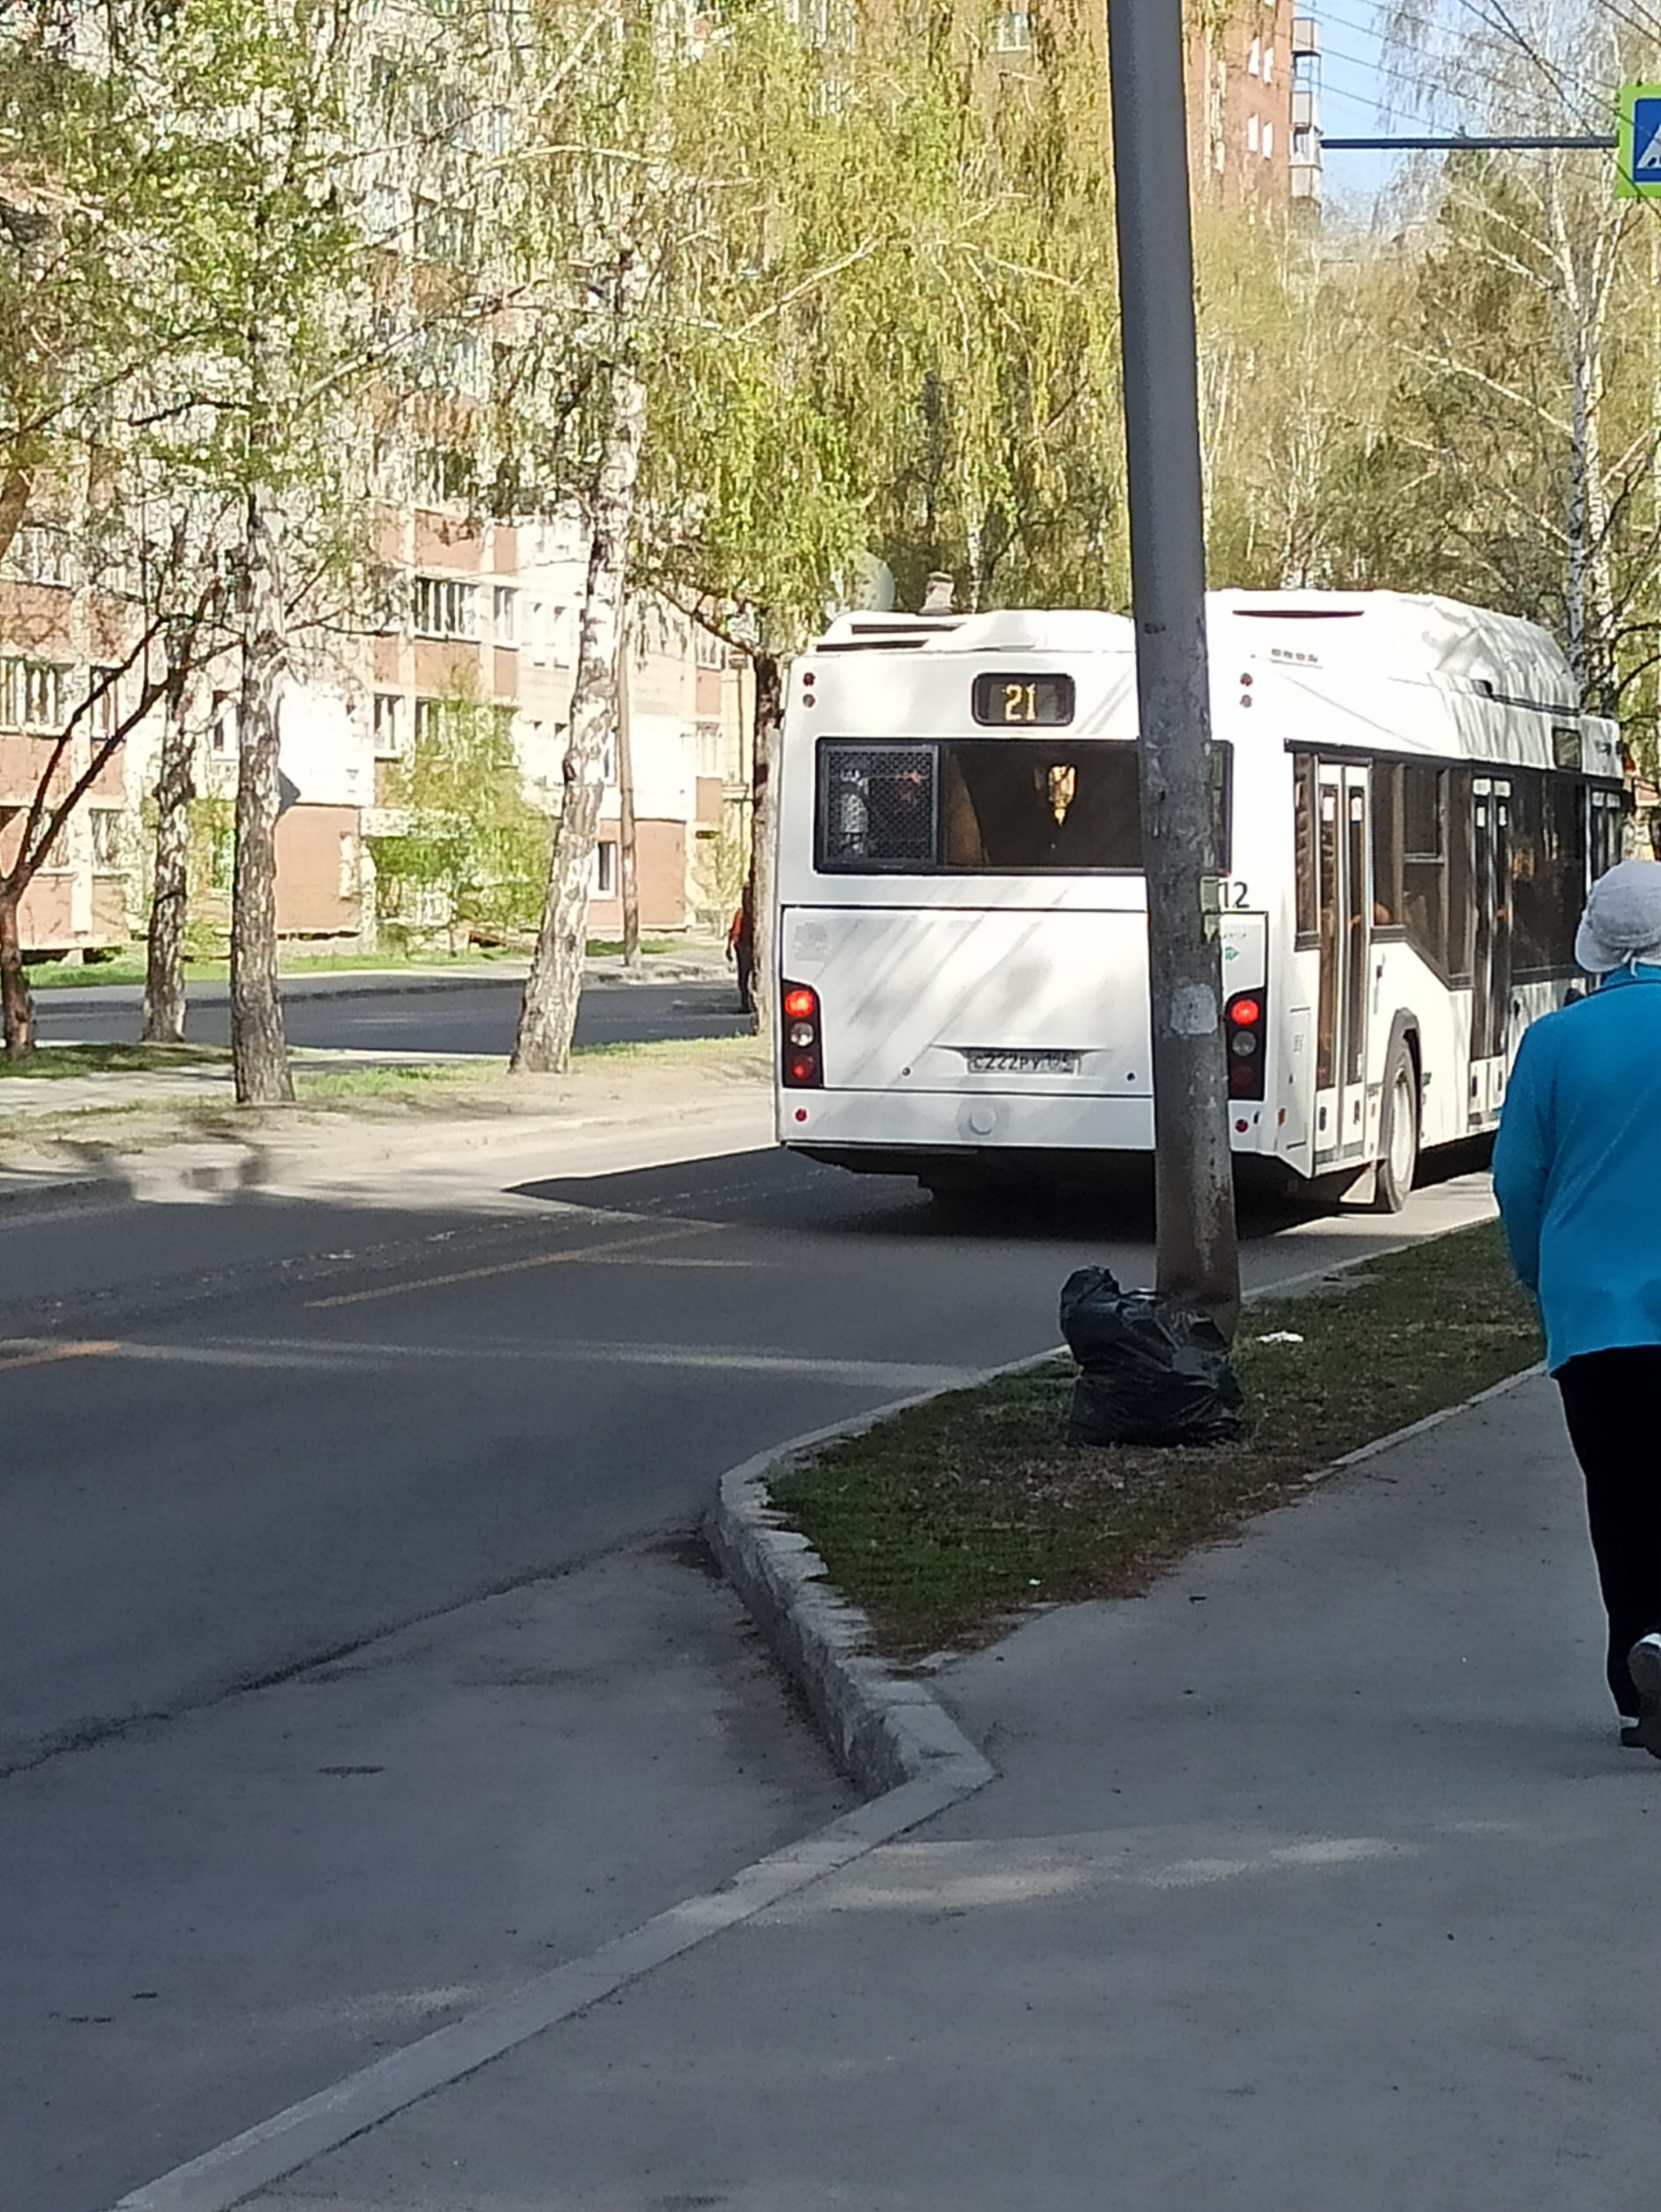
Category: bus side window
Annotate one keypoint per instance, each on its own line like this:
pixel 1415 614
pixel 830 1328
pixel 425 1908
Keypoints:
pixel 1604 833
pixel 1459 829
pixel 1387 846
pixel 1308 894
pixel 1425 794
pixel 1547 826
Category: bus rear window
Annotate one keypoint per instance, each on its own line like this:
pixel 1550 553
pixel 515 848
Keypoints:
pixel 876 806
pixel 1031 808
pixel 1014 806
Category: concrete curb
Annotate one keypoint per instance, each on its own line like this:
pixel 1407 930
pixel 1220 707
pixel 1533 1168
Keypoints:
pixel 50 1197
pixel 885 1729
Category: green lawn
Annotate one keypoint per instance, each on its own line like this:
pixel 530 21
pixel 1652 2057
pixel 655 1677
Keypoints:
pixel 51 975
pixel 947 1521
pixel 52 1062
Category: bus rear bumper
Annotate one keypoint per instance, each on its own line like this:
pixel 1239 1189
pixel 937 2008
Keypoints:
pixel 910 1127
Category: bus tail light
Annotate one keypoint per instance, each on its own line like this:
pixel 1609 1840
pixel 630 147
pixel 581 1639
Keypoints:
pixel 802 1062
pixel 1247 1032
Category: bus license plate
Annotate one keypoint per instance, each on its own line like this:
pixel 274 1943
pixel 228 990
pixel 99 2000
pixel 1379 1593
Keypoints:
pixel 1021 1063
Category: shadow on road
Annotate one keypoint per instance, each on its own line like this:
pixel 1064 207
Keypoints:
pixel 776 1189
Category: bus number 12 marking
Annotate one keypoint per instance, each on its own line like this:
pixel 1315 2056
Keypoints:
pixel 1235 893
pixel 1020 703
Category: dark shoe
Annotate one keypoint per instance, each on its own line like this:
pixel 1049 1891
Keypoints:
pixel 1643 1664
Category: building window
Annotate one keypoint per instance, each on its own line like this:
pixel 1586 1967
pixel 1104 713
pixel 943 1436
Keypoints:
pixel 442 233
pixel 1254 59
pixel 1012 32
pixel 103 689
pixel 711 650
pixel 606 870
pixel 1251 134
pixel 41 554
pixel 34 694
pixel 444 608
pixel 435 721
pixel 389 726
pixel 1268 141
pixel 442 475
pixel 352 864
pixel 560 635
pixel 105 823
pixel 708 742
pixel 503 614
pixel 1268 65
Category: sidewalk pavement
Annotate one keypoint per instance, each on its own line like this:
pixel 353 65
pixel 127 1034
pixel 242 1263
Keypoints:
pixel 1315 1879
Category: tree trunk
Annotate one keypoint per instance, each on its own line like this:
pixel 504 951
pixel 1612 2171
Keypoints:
pixel 548 1014
pixel 258 1050
pixel 628 851
pixel 17 1001
pixel 766 722
pixel 165 964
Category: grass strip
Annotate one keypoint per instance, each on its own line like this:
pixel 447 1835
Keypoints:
pixel 946 1522
pixel 57 975
pixel 54 1062
pixel 314 1086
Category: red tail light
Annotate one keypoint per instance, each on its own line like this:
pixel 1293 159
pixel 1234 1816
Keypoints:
pixel 801 1065
pixel 1246 1028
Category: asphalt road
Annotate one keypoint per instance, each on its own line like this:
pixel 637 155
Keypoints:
pixel 456 1016
pixel 357 1662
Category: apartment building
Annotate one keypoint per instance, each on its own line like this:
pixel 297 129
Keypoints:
pixel 1254 125
pixel 486 612
pixel 56 641
pixel 492 612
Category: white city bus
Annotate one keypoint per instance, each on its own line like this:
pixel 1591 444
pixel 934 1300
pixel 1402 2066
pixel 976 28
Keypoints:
pixel 1410 808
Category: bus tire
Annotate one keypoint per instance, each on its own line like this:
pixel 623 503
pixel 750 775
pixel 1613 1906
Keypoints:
pixel 1398 1134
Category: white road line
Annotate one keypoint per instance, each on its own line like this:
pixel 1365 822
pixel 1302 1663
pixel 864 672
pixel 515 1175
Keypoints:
pixel 311 1352
pixel 264 2154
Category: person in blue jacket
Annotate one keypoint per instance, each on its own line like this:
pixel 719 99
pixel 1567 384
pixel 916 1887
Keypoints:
pixel 1577 1173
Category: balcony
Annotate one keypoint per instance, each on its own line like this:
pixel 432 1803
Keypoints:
pixel 1305 108
pixel 1305 36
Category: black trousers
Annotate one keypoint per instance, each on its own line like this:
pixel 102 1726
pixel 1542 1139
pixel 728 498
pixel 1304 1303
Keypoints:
pixel 1612 1402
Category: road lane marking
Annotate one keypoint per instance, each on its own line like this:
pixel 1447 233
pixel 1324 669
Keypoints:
pixel 340 1358
pixel 510 1266
pixel 233 2171
pixel 38 1351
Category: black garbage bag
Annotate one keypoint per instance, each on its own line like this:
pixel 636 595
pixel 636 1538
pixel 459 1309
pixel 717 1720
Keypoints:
pixel 1153 1372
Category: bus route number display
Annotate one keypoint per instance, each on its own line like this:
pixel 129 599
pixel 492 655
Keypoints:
pixel 1022 702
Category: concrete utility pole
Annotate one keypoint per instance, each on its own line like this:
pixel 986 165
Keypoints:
pixel 1198 1262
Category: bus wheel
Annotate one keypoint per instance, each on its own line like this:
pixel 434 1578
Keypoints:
pixel 1398 1152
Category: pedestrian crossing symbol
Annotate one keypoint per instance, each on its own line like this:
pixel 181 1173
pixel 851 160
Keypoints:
pixel 1638 151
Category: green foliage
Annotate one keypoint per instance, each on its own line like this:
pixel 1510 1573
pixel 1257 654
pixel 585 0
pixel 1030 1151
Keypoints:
pixel 472 856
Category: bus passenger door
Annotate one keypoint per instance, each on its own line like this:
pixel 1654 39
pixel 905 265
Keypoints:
pixel 1343 856
pixel 1490 964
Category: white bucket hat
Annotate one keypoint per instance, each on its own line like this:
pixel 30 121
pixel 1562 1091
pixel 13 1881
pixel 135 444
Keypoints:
pixel 1622 921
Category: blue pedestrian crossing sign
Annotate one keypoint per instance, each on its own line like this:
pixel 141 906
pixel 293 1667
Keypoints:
pixel 1638 145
